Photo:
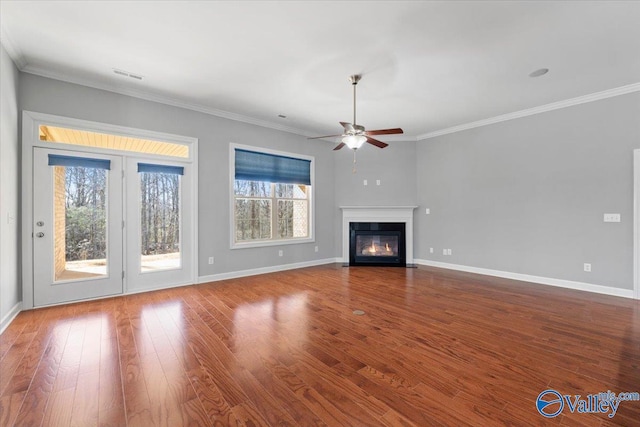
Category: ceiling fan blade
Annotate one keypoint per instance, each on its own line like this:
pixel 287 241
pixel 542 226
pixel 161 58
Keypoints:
pixel 384 131
pixel 339 146
pixel 375 142
pixel 326 136
pixel 347 127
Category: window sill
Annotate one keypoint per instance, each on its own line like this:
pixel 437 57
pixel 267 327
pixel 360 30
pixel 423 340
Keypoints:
pixel 264 243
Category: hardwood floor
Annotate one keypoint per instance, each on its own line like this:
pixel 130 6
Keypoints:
pixel 434 348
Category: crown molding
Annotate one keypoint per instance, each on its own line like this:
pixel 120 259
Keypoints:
pixel 12 49
pixel 609 93
pixel 17 56
pixel 147 96
pixel 396 138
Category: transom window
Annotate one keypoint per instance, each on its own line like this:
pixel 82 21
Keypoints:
pixel 57 134
pixel 271 198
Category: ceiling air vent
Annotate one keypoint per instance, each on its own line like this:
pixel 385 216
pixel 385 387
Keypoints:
pixel 127 74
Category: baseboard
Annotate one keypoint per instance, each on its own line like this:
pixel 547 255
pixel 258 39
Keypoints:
pixel 579 286
pixel 264 270
pixel 8 318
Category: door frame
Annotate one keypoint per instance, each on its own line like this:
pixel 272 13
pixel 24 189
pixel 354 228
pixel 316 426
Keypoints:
pixel 31 122
pixel 636 224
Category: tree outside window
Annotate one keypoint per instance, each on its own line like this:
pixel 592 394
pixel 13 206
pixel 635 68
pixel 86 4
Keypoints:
pixel 270 211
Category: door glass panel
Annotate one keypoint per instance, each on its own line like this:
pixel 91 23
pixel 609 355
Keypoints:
pixel 80 223
pixel 160 221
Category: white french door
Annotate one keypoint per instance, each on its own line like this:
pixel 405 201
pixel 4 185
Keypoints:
pixel 77 232
pixel 105 225
pixel 159 234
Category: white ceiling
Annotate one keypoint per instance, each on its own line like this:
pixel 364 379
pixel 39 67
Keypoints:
pixel 427 66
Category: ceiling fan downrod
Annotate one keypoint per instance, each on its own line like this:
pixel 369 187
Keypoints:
pixel 354 79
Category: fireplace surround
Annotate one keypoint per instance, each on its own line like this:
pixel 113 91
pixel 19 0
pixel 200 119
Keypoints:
pixel 380 215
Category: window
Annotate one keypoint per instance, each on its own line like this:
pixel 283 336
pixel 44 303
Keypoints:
pixel 271 198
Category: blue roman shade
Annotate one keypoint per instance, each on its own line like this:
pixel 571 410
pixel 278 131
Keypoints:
pixel 84 162
pixel 149 167
pixel 254 166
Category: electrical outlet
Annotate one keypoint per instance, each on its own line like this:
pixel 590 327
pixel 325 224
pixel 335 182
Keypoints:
pixel 377 182
pixel 210 260
pixel 364 182
pixel 316 249
pixel 587 267
pixel 427 211
pixel 612 217
pixel 280 252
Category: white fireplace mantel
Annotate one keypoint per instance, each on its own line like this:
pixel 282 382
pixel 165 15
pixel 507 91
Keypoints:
pixel 377 214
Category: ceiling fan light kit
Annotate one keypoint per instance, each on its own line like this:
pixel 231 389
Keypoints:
pixel 354 141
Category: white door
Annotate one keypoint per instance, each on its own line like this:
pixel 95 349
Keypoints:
pixel 158 226
pixel 77 226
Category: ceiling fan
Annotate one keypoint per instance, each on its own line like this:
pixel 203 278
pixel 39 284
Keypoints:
pixel 355 135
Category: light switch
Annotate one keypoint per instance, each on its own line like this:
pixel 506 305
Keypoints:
pixel 365 182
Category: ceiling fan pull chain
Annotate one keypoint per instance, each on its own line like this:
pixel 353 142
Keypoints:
pixel 354 162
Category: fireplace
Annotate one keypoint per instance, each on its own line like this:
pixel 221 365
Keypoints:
pixel 377 244
pixel 379 215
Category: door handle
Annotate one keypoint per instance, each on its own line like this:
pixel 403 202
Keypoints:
pixel 40 234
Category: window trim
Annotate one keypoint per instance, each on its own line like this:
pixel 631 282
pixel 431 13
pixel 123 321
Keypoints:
pixel 232 220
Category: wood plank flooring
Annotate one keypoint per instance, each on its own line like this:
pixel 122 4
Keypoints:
pixel 434 348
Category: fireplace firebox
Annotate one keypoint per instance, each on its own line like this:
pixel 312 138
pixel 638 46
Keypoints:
pixel 377 244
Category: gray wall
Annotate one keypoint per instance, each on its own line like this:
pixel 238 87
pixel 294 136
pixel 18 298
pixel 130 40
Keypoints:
pixel 528 195
pixel 394 166
pixel 524 196
pixel 10 291
pixel 45 95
